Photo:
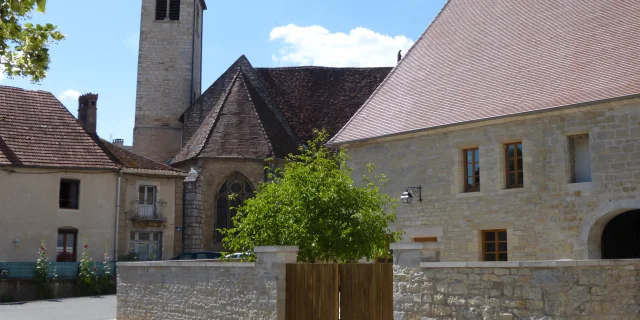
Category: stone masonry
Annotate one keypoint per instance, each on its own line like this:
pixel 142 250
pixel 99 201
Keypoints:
pixel 549 218
pixel 585 289
pixel 181 290
pixel 169 76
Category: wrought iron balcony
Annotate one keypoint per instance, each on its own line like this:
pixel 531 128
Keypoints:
pixel 147 211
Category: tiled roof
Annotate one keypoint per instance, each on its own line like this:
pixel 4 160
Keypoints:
pixel 130 160
pixel 320 97
pixel 241 125
pixel 36 130
pixel 283 105
pixel 482 59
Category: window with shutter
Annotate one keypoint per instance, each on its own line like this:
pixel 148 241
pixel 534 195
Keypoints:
pixel 174 9
pixel 161 9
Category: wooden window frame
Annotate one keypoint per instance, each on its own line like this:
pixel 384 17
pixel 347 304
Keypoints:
pixel 60 200
pixel 425 239
pixel 516 169
pixel 474 176
pixel 74 234
pixel 496 241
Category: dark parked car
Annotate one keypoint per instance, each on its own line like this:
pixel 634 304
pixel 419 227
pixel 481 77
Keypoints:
pixel 198 255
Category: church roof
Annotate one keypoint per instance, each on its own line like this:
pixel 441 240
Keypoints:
pixel 483 59
pixel 36 130
pixel 241 125
pixel 266 112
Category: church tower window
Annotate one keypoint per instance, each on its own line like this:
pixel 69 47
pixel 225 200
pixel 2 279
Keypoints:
pixel 161 9
pixel 174 9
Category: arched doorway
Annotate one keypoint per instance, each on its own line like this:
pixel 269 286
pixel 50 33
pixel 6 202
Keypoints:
pixel 225 207
pixel 621 237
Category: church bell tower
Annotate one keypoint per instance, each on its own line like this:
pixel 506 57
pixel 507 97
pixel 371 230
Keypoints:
pixel 169 74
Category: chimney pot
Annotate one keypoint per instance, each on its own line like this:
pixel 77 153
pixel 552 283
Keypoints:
pixel 118 143
pixel 88 112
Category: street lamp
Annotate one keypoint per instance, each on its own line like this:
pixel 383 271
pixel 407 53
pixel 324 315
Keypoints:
pixel 407 196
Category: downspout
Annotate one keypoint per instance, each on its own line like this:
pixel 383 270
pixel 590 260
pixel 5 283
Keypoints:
pixel 115 246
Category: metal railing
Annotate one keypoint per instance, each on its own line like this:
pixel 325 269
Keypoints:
pixel 147 211
pixel 27 270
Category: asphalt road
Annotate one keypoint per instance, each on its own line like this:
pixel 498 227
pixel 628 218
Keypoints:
pixel 91 308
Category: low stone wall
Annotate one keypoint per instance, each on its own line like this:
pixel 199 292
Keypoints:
pixel 14 290
pixel 584 289
pixel 180 290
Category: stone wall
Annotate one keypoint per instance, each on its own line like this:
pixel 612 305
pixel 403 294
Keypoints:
pixel 549 218
pixel 200 196
pixel 180 290
pixel 584 289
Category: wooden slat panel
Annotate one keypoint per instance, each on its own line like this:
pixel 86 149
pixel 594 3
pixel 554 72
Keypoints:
pixel 366 291
pixel 312 292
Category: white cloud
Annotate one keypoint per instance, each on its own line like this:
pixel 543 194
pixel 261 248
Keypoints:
pixel 69 95
pixel 132 42
pixel 315 45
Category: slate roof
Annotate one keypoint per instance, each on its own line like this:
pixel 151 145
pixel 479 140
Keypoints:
pixel 482 59
pixel 267 112
pixel 36 130
pixel 130 160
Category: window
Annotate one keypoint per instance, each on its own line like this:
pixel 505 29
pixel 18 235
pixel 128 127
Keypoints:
pixel 174 9
pixel 66 245
pixel 146 244
pixel 425 239
pixel 69 193
pixel 580 158
pixel 225 207
pixel 513 156
pixel 146 202
pixel 494 245
pixel 471 170
pixel 161 9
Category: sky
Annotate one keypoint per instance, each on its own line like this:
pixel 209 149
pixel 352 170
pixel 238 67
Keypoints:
pixel 100 52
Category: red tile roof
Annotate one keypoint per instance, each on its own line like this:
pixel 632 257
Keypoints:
pixel 130 160
pixel 482 59
pixel 36 130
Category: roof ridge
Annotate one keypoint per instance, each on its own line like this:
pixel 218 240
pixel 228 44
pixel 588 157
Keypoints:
pixel 375 92
pixel 255 111
pixel 321 67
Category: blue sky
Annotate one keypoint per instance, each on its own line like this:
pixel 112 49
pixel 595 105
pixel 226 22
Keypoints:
pixel 100 52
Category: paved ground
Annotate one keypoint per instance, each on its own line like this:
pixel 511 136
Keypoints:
pixel 92 308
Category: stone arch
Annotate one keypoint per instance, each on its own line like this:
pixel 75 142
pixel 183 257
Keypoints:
pixel 233 183
pixel 590 237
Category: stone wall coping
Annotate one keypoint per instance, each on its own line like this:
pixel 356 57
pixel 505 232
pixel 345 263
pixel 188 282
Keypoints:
pixel 186 263
pixel 416 245
pixel 530 264
pixel 275 249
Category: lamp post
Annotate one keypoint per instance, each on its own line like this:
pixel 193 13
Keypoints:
pixel 407 196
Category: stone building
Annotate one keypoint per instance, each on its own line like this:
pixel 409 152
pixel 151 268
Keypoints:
pixel 246 116
pixel 544 98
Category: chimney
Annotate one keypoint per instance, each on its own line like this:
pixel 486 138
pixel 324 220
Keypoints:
pixel 118 143
pixel 88 112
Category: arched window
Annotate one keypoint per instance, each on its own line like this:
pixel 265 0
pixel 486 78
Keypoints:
pixel 225 211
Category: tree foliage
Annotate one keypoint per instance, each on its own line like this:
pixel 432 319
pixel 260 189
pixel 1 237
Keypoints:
pixel 24 47
pixel 314 204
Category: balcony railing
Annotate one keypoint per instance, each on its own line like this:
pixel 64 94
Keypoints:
pixel 147 211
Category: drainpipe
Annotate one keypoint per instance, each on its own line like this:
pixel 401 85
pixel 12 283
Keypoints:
pixel 115 246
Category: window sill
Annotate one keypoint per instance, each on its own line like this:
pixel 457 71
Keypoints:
pixel 579 186
pixel 68 209
pixel 469 194
pixel 512 190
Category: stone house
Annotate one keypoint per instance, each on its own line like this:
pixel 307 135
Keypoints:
pixel 56 183
pixel 223 136
pixel 63 184
pixel 545 98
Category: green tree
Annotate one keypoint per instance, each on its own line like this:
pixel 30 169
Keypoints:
pixel 314 204
pixel 24 47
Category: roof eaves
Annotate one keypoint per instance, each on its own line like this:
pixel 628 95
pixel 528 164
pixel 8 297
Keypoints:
pixel 476 121
pixel 175 173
